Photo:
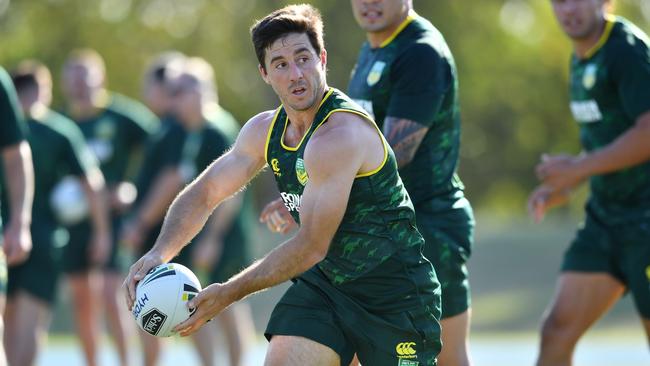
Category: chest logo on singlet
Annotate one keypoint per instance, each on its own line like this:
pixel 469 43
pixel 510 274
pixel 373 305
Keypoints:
pixel 275 165
pixel 586 111
pixel 301 173
pixel 589 76
pixel 375 73
pixel 291 201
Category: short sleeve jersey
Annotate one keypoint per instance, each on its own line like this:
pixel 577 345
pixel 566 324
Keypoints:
pixel 58 149
pixel 412 75
pixel 12 126
pixel 379 221
pixel 115 134
pixel 609 90
pixel 163 150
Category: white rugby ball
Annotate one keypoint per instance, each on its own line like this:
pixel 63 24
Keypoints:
pixel 68 201
pixel 161 297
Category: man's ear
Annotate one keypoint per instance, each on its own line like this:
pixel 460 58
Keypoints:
pixel 323 58
pixel 264 74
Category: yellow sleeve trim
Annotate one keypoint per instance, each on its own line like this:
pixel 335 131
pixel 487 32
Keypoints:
pixel 409 18
pixel 269 132
pixel 383 141
pixel 306 132
pixel 609 25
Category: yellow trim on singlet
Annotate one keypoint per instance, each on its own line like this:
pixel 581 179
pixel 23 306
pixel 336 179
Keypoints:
pixel 610 20
pixel 268 134
pixel 409 18
pixel 383 141
pixel 286 123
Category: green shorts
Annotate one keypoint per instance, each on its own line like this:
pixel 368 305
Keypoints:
pixel 76 256
pixel 448 239
pixel 39 274
pixel 315 309
pixel 622 251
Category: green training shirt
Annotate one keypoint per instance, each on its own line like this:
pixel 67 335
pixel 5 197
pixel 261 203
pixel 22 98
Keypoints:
pixel 609 90
pixel 115 134
pixel 58 149
pixel 12 126
pixel 412 75
pixel 379 220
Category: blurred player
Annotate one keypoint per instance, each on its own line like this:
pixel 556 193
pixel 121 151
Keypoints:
pixel 406 78
pixel 18 171
pixel 185 153
pixel 58 149
pixel 361 283
pixel 116 128
pixel 161 156
pixel 609 87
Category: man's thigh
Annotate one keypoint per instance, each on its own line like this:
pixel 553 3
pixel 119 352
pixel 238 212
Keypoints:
pixel 299 351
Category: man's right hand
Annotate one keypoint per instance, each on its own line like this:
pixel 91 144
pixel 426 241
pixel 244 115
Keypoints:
pixel 543 199
pixel 277 218
pixel 137 272
pixel 17 243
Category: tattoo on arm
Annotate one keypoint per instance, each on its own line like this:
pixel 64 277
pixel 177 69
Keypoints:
pixel 404 136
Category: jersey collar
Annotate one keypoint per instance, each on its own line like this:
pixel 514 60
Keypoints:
pixel 610 20
pixel 409 18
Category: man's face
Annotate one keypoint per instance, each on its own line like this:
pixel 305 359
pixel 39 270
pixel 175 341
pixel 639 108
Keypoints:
pixel 187 98
pixel 579 18
pixel 378 15
pixel 294 71
pixel 81 80
pixel 156 96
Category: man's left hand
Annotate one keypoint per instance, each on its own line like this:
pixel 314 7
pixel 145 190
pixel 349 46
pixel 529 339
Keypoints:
pixel 208 303
pixel 561 172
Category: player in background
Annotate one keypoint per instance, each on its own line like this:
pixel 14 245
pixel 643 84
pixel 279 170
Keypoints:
pixel 58 149
pixel 16 237
pixel 207 130
pixel 609 87
pixel 116 128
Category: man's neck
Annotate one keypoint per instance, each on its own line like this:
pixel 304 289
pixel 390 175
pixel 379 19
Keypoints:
pixel 301 121
pixel 86 108
pixel 37 111
pixel 584 45
pixel 377 38
pixel 194 122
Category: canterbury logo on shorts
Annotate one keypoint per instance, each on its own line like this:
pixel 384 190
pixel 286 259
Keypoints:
pixel 406 350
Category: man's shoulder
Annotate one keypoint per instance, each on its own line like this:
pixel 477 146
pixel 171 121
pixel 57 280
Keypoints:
pixel 131 110
pixel 627 39
pixel 343 129
pixel 262 120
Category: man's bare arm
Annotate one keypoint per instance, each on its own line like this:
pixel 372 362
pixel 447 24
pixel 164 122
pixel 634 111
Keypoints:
pixel 192 207
pixel 629 149
pixel 19 174
pixel 322 207
pixel 405 137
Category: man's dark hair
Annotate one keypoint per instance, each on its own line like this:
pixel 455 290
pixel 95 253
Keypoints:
pixel 301 18
pixel 30 74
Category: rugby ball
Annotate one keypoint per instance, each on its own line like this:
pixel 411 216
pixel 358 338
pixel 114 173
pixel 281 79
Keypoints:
pixel 68 201
pixel 161 298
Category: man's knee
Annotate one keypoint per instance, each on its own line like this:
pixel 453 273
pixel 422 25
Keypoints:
pixel 559 328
